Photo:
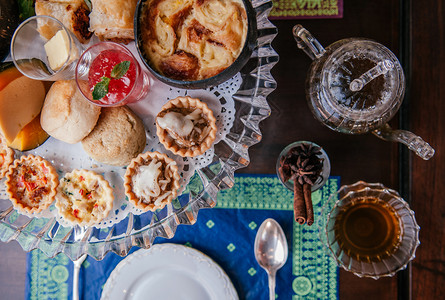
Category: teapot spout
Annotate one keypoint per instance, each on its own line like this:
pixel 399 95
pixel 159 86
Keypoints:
pixel 413 142
pixel 307 42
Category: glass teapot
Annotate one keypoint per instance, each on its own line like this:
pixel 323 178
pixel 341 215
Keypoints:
pixel 356 86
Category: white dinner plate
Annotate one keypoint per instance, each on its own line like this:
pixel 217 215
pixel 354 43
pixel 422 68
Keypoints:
pixel 168 272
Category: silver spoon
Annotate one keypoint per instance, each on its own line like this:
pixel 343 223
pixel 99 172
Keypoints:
pixel 271 250
pixel 77 264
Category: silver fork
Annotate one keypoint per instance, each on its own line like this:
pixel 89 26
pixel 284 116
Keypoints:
pixel 77 264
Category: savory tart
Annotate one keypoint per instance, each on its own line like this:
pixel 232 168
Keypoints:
pixel 193 39
pixel 31 183
pixel 6 156
pixel 186 126
pixel 84 198
pixel 151 181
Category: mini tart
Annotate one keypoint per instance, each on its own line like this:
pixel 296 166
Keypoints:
pixel 151 181
pixel 186 126
pixel 6 157
pixel 84 198
pixel 31 183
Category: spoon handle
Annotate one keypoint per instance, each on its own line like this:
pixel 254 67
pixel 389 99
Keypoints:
pixel 272 286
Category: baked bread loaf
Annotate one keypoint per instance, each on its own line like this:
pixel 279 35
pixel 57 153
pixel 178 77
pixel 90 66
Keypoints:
pixel 66 115
pixel 113 19
pixel 118 137
pixel 193 39
pixel 72 13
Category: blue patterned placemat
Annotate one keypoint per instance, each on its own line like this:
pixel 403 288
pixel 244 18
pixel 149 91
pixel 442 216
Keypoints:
pixel 225 233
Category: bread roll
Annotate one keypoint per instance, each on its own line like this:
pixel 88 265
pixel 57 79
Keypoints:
pixel 72 13
pixel 118 137
pixel 66 115
pixel 113 19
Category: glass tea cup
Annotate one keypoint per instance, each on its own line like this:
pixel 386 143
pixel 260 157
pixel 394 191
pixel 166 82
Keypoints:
pixel 369 230
pixel 325 171
pixel 30 47
pixel 108 74
pixel 355 86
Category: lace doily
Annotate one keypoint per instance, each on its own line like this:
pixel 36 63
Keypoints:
pixel 66 157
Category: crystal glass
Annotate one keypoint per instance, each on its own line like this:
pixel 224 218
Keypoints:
pixel 28 49
pixel 349 224
pixel 88 65
pixel 230 154
pixel 326 170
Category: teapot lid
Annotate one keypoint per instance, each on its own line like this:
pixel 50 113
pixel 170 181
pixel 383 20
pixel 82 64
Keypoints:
pixel 365 78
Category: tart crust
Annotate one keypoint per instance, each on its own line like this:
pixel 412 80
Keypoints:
pixel 84 198
pixel 6 157
pixel 186 106
pixel 31 184
pixel 151 181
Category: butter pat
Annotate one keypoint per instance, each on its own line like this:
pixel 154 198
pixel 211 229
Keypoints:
pixel 58 50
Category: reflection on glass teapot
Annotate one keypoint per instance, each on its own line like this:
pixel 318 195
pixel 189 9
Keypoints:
pixel 356 86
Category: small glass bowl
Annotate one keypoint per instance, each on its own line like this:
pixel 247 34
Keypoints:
pixel 325 172
pixel 392 261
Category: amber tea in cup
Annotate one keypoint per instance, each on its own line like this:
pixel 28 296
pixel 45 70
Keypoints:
pixel 369 230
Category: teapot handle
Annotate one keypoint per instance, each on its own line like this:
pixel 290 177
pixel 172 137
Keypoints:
pixel 415 143
pixel 307 42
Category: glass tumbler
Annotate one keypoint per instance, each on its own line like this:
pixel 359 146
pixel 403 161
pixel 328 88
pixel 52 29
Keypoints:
pixel 108 74
pixel 369 230
pixel 28 49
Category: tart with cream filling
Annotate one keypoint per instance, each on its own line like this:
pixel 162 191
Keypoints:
pixel 186 126
pixel 6 157
pixel 151 181
pixel 31 183
pixel 84 198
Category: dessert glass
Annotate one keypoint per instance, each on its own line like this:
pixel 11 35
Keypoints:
pixel 130 88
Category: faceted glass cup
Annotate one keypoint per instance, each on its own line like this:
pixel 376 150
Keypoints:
pixel 358 214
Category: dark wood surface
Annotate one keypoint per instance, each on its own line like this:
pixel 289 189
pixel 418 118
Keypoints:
pixel 354 158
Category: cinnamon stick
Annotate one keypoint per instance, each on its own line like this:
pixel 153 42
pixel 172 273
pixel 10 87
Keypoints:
pixel 307 192
pixel 299 203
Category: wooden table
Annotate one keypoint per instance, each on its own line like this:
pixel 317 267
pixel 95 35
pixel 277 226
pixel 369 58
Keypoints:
pixel 415 31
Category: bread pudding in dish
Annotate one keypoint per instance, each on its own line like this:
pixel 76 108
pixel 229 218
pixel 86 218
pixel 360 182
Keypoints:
pixel 192 40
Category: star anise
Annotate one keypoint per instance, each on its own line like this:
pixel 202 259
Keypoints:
pixel 303 165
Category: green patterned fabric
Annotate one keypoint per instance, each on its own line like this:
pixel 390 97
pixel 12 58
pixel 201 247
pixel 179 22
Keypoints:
pixel 225 233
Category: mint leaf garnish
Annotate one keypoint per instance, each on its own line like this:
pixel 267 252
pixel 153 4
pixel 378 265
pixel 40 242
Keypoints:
pixel 120 69
pixel 101 88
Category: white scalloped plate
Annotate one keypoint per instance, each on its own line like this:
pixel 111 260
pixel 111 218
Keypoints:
pixel 168 272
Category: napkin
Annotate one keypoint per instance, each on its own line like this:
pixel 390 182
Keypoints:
pixel 226 234
pixel 306 9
